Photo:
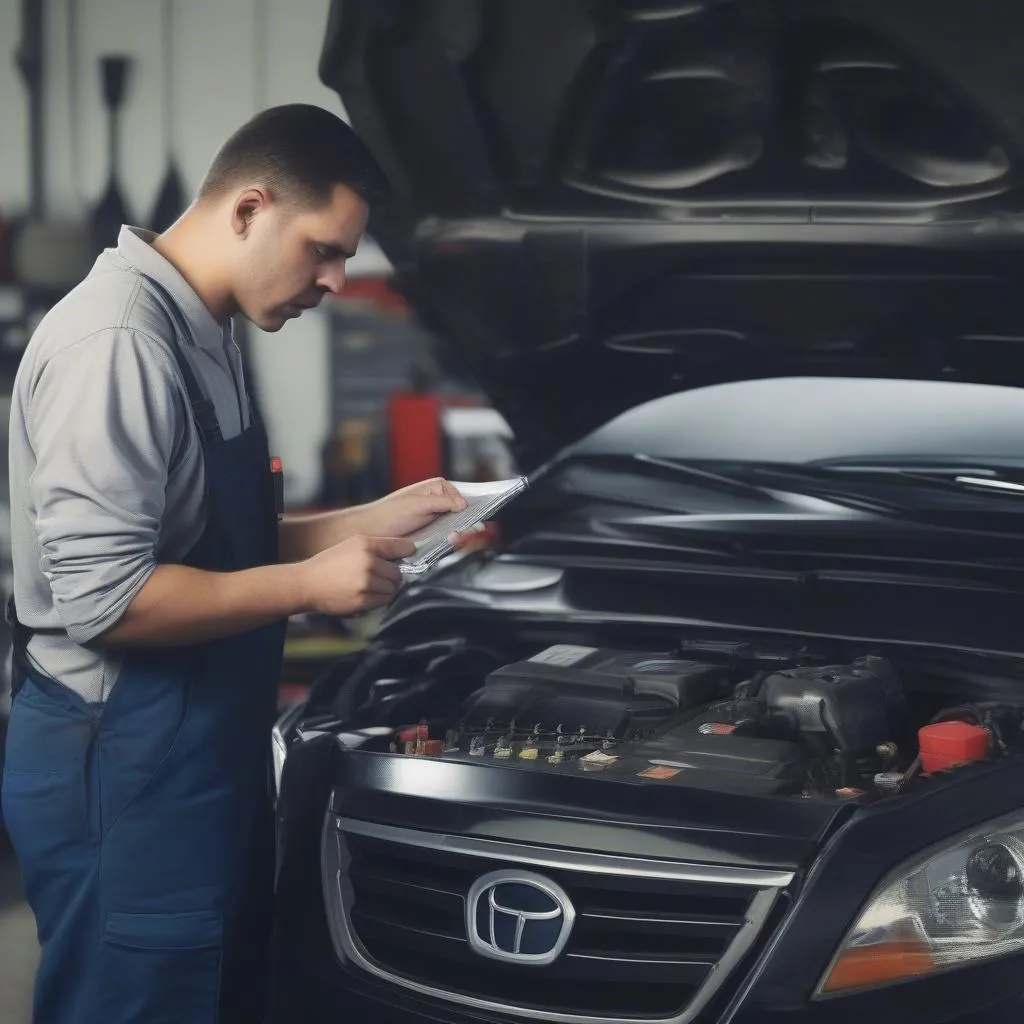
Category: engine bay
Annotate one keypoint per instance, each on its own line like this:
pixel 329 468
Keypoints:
pixel 701 718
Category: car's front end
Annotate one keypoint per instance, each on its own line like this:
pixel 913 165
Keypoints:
pixel 696 901
pixel 695 740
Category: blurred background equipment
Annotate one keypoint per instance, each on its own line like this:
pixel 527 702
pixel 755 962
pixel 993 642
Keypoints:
pixel 171 200
pixel 398 414
pixel 45 256
pixel 112 210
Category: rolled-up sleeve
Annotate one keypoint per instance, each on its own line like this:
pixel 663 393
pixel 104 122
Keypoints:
pixel 103 421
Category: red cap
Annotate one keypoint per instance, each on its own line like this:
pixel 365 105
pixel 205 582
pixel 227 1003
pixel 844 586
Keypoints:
pixel 946 744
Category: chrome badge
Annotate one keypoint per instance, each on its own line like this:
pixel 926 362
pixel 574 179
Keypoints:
pixel 518 917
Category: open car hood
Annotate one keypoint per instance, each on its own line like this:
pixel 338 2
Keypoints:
pixel 602 201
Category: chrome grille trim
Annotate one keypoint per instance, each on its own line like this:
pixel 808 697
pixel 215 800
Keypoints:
pixel 765 884
pixel 573 860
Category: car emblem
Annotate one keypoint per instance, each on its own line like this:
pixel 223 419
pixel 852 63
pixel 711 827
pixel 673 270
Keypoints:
pixel 518 917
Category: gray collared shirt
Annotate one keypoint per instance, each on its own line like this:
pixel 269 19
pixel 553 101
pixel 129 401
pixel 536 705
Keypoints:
pixel 106 468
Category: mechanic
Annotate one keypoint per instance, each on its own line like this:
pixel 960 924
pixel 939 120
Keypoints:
pixel 153 577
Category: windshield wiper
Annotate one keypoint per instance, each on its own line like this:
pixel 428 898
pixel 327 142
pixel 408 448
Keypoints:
pixel 998 485
pixel 748 480
pixel 651 483
pixel 701 476
pixel 960 477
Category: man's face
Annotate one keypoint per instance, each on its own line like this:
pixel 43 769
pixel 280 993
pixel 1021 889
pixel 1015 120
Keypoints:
pixel 295 256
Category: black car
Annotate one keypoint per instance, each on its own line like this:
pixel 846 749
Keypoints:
pixel 728 725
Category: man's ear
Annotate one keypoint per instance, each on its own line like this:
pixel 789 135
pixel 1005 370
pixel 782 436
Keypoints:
pixel 247 205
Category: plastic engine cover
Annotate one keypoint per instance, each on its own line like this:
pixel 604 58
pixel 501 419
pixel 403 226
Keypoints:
pixel 603 690
pixel 858 705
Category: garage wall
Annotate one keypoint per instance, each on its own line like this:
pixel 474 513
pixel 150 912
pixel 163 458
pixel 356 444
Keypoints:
pixel 13 117
pixel 231 58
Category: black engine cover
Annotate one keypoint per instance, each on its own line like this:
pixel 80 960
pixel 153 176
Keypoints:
pixel 602 690
pixel 857 706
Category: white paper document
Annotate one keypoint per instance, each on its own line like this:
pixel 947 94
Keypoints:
pixel 484 500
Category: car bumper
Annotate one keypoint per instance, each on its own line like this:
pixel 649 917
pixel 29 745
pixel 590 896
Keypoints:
pixel 771 985
pixel 321 992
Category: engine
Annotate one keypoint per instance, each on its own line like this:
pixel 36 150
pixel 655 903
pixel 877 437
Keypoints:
pixel 662 718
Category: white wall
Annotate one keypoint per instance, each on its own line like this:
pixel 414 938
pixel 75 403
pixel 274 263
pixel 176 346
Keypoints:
pixel 231 58
pixel 13 115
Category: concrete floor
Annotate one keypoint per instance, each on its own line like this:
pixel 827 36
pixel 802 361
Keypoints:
pixel 18 948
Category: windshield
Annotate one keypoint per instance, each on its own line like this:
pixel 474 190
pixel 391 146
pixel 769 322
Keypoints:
pixel 814 447
pixel 823 420
pixel 803 475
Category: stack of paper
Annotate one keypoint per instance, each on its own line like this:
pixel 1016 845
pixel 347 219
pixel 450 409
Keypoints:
pixel 483 501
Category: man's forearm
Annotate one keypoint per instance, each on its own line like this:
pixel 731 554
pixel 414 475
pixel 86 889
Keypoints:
pixel 179 605
pixel 302 536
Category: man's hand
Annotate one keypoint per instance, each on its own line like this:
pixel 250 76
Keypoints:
pixel 180 605
pixel 410 509
pixel 397 515
pixel 355 576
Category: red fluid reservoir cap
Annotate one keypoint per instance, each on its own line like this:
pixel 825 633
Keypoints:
pixel 946 744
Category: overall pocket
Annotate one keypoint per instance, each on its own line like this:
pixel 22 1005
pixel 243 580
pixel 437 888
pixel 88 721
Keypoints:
pixel 159 969
pixel 45 799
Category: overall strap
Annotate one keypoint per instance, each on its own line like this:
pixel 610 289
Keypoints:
pixel 202 407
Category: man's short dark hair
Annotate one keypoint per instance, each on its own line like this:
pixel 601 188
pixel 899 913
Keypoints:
pixel 299 152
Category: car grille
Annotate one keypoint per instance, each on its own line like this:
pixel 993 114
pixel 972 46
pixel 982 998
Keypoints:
pixel 641 948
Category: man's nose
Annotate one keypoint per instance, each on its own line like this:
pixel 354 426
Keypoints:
pixel 332 279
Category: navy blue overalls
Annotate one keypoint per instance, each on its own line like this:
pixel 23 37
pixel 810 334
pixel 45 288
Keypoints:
pixel 144 827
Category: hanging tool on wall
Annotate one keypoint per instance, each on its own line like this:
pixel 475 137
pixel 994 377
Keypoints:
pixel 112 210
pixel 47 256
pixel 170 200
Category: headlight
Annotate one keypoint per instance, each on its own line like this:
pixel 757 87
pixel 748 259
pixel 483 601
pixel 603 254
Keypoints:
pixel 957 904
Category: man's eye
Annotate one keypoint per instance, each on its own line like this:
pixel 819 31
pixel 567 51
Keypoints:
pixel 319 252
